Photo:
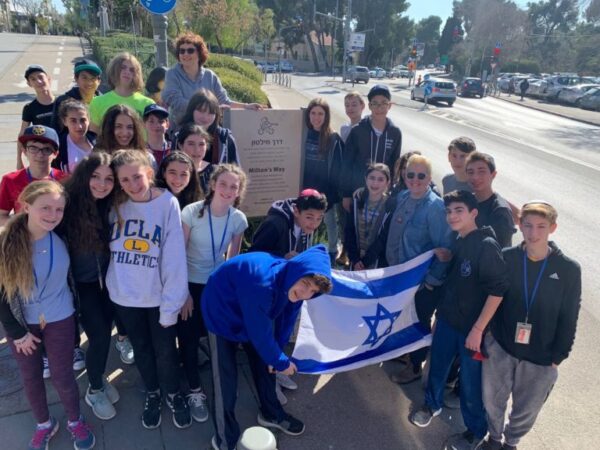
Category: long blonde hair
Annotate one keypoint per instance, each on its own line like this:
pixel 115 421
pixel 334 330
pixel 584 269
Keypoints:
pixel 16 252
pixel 122 158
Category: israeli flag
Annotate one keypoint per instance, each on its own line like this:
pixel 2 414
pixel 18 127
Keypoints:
pixel 368 317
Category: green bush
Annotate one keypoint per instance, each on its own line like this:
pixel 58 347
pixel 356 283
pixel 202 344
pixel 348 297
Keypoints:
pixel 521 67
pixel 241 79
pixel 239 87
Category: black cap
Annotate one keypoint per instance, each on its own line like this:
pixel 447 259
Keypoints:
pixel 88 65
pixel 379 89
pixel 34 68
pixel 39 133
pixel 157 110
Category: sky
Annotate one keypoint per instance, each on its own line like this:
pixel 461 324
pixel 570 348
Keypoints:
pixel 442 8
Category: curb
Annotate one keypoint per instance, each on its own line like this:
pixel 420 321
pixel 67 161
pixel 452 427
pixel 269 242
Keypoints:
pixel 554 113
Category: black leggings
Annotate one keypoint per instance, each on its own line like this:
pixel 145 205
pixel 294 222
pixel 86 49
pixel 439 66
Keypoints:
pixel 96 316
pixel 188 335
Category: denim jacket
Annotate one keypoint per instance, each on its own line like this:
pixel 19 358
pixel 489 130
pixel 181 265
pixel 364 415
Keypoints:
pixel 425 230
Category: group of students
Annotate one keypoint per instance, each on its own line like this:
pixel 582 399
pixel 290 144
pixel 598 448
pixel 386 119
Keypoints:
pixel 144 230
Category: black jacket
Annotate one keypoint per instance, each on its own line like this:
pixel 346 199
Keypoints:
pixel 376 251
pixel 223 141
pixel 275 234
pixel 364 147
pixel 553 314
pixel 477 270
pixel 61 162
pixel 325 176
pixel 495 212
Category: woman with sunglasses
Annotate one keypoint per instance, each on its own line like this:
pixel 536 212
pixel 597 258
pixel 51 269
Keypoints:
pixel 189 74
pixel 419 225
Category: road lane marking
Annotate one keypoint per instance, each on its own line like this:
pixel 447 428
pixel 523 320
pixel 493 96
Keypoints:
pixel 56 71
pixel 59 53
pixel 61 48
pixel 58 60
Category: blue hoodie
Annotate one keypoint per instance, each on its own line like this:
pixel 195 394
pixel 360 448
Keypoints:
pixel 246 299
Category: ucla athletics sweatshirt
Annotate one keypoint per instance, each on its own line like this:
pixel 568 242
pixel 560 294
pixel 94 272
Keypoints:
pixel 148 267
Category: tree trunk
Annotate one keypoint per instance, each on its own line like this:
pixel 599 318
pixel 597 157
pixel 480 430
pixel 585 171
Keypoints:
pixel 313 53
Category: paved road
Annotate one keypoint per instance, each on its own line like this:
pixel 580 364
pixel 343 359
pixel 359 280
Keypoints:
pixel 538 156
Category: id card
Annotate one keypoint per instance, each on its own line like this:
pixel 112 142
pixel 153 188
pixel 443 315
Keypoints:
pixel 523 333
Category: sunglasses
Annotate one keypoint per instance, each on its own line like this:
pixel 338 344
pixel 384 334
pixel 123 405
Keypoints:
pixel 420 175
pixel 189 51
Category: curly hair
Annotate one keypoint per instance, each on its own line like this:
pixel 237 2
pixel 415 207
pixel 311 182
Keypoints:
pixel 16 243
pixel 219 170
pixel 192 192
pixel 107 141
pixel 85 222
pixel 195 40
pixel 113 73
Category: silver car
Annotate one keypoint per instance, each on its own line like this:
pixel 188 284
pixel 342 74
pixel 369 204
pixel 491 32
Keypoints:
pixel 571 94
pixel 357 73
pixel 442 90
pixel 591 100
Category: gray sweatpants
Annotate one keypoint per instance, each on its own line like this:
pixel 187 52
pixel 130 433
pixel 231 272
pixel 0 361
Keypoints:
pixel 530 384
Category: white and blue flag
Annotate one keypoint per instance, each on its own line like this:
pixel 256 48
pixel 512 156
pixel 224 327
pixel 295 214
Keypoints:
pixel 368 317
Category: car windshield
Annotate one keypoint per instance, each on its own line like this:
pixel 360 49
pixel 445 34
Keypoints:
pixel 444 85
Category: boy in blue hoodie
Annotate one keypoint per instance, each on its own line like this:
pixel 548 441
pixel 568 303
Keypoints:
pixel 254 299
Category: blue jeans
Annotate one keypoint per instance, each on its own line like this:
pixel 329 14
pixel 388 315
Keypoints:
pixel 447 344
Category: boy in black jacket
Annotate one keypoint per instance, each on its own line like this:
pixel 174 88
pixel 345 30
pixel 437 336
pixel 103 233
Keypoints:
pixel 533 330
pixel 472 292
pixel 374 140
pixel 289 226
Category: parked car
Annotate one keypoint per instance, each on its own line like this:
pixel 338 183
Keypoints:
pixel 590 100
pixel 535 88
pixel 286 66
pixel 402 71
pixel 357 73
pixel 554 84
pixel 442 90
pixel 392 73
pixel 571 94
pixel 377 72
pixel 471 87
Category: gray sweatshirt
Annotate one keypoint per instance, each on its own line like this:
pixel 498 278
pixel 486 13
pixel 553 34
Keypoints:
pixel 179 88
pixel 148 266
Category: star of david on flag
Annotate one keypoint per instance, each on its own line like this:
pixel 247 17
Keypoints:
pixel 368 317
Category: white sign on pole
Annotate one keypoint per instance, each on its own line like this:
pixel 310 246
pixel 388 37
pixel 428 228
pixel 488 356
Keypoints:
pixel 357 42
pixel 420 49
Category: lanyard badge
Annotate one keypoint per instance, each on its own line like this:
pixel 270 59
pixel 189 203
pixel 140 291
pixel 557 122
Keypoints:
pixel 523 330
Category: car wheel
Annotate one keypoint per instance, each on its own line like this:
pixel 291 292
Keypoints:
pixel 450 103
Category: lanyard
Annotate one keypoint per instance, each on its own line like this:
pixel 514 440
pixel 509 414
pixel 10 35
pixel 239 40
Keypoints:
pixel 30 178
pixel 212 239
pixel 375 210
pixel 528 302
pixel 35 277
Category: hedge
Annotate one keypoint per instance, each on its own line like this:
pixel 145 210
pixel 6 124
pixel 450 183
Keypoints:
pixel 241 79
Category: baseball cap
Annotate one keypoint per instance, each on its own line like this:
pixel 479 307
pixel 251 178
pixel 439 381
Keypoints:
pixel 39 133
pixel 157 110
pixel 87 64
pixel 379 89
pixel 34 68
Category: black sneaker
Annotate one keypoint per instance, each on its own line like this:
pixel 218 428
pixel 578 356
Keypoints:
pixel 289 425
pixel 462 441
pixel 490 444
pixel 180 409
pixel 151 414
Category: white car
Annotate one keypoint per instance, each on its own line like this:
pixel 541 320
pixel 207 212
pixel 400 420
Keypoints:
pixel 571 94
pixel 442 90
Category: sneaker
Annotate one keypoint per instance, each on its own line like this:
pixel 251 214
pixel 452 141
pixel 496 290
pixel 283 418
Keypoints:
pixel 46 372
pixel 424 416
pixel 489 444
pixel 285 382
pixel 289 425
pixel 462 441
pixel 151 414
pixel 180 409
pixel 280 395
pixel 100 404
pixel 197 403
pixel 451 399
pixel 42 436
pixel 81 433
pixel 78 359
pixel 407 375
pixel 111 392
pixel 125 351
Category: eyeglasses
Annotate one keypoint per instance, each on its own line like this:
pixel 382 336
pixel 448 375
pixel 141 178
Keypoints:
pixel 188 50
pixel 46 151
pixel 420 175
pixel 379 105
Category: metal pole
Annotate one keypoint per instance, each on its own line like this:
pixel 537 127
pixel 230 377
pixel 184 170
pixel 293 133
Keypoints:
pixel 346 37
pixel 159 30
pixel 337 5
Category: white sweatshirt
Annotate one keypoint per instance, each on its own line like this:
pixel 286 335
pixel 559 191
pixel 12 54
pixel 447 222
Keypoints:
pixel 148 265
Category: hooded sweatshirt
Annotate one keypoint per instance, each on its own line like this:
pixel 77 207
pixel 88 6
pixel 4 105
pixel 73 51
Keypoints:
pixel 363 147
pixel 476 271
pixel 148 267
pixel 246 300
pixel 277 234
pixel 553 313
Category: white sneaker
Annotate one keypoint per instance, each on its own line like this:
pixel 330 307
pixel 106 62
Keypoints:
pixel 125 351
pixel 100 404
pixel 111 392
pixel 285 382
pixel 197 403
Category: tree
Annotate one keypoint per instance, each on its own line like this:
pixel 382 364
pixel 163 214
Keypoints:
pixel 428 32
pixel 451 35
